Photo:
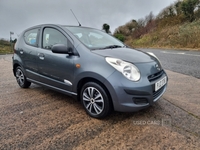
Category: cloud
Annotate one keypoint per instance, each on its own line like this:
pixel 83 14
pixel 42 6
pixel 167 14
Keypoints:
pixel 18 15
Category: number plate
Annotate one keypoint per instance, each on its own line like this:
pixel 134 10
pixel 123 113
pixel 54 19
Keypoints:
pixel 160 83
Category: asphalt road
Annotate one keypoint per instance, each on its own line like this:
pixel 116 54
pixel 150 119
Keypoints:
pixel 39 118
pixel 181 61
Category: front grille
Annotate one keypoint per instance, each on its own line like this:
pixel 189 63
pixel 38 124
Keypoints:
pixel 156 94
pixel 155 76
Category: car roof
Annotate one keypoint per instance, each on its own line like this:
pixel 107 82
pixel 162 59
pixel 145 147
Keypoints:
pixel 58 25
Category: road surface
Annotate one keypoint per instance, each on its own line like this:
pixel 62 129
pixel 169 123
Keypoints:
pixel 181 61
pixel 39 118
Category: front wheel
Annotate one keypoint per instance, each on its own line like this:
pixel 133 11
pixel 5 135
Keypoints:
pixel 95 100
pixel 21 78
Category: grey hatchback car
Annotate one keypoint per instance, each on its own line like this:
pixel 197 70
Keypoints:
pixel 89 65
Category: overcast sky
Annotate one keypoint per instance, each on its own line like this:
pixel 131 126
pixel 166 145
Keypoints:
pixel 17 15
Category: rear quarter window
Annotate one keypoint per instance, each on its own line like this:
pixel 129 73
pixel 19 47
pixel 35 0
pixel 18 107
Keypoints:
pixel 30 37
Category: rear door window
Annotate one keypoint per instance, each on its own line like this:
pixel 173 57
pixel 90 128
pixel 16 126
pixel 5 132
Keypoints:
pixel 30 37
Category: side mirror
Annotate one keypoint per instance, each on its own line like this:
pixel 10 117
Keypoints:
pixel 62 49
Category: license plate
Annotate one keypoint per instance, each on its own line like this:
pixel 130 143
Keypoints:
pixel 160 83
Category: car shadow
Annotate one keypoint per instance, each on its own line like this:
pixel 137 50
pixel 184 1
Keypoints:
pixel 114 117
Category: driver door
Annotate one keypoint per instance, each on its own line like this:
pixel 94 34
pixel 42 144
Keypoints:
pixel 55 70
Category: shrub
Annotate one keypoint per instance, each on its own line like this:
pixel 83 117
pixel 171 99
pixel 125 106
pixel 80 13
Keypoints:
pixel 120 37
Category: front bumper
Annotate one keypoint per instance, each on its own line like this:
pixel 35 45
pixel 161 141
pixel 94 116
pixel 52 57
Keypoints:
pixel 128 96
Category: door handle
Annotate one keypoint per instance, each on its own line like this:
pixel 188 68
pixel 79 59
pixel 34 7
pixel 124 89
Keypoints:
pixel 41 56
pixel 21 51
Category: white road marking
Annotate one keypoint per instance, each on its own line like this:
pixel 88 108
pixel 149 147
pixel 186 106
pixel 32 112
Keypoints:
pixel 179 53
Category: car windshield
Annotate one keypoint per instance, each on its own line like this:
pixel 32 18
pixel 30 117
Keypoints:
pixel 95 39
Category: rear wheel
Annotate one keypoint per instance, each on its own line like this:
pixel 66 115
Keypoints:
pixel 95 100
pixel 21 78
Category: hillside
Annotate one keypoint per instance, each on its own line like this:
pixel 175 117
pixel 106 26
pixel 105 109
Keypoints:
pixel 185 36
pixel 175 27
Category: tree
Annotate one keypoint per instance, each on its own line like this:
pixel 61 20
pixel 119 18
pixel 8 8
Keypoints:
pixel 188 7
pixel 141 22
pixel 106 28
pixel 178 7
pixel 149 18
pixel 127 29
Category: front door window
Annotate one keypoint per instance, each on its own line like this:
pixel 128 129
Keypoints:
pixel 51 37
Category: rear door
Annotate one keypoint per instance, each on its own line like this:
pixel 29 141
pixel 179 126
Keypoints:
pixel 55 70
pixel 28 50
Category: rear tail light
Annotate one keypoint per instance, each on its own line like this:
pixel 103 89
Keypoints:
pixel 14 48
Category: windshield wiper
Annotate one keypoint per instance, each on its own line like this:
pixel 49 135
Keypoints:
pixel 108 47
pixel 112 46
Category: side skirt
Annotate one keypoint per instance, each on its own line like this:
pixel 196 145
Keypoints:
pixel 54 88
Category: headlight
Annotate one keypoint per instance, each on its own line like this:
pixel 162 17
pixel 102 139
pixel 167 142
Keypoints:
pixel 129 70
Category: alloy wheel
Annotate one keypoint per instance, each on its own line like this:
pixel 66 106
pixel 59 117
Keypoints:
pixel 20 77
pixel 93 100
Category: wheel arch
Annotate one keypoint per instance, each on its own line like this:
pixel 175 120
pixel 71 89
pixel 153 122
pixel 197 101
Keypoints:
pixel 14 68
pixel 90 79
pixel 17 61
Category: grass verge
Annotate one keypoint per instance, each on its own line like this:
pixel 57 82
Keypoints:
pixel 185 36
pixel 5 47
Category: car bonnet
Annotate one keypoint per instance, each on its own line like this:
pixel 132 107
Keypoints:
pixel 126 54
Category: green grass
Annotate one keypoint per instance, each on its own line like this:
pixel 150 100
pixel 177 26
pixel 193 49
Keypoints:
pixel 185 36
pixel 5 47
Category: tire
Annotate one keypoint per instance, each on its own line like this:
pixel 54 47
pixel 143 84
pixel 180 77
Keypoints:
pixel 95 100
pixel 21 78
